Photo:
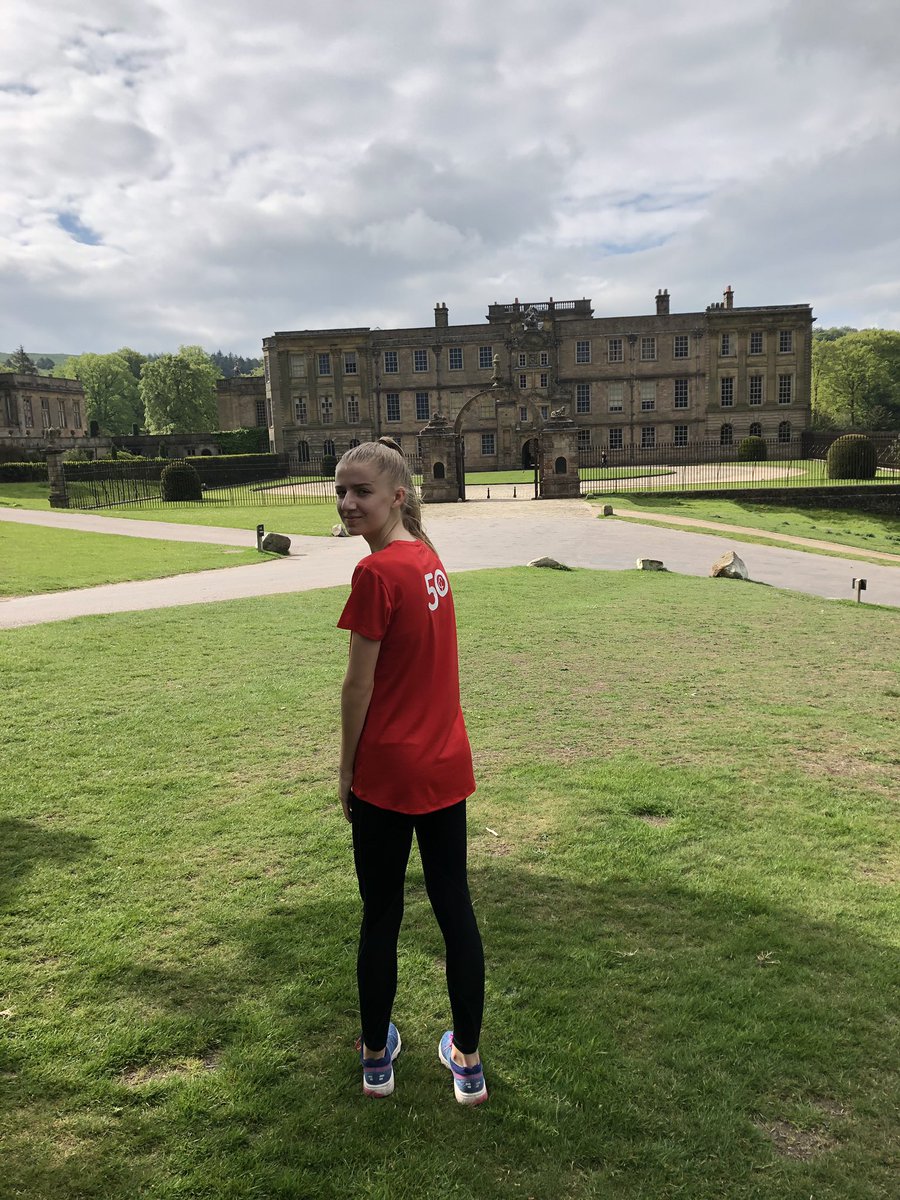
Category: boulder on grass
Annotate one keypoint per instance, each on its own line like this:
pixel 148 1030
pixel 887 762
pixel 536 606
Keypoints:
pixel 339 531
pixel 549 562
pixel 276 543
pixel 607 510
pixel 650 564
pixel 729 566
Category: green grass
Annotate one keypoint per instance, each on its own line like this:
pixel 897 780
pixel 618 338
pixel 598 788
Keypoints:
pixel 37 560
pixel 526 477
pixel 865 531
pixel 24 495
pixel 688 903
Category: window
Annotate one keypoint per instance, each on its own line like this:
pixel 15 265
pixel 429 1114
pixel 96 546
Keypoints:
pixel 523 382
pixel 727 345
pixel 303 452
pixel 584 439
pixel 755 389
pixel 784 431
pixel 616 395
pixel 681 393
pixel 328 448
pixel 420 360
pixel 522 360
pixel 680 435
pixel 354 442
pixel 455 358
pixel 324 363
pixel 398 438
pixel 29 414
pixel 545 412
pixel 726 391
pixel 351 366
pixel 392 406
pixel 582 397
pixel 756 429
pixel 353 410
pixel 583 352
pixel 648 437
pixel 648 395
pixel 785 341
pixel 45 413
pixel 298 367
pixel 326 407
pixel 61 413
pixel 544 379
pixel 523 414
pixel 681 346
pixel 616 441
pixel 726 435
pixel 614 350
pixel 785 389
pixel 756 342
pixel 260 413
pixel 545 358
pixel 422 406
pixel 485 357
pixel 648 349
pixel 487 444
pixel 391 363
pixel 76 413
pixel 12 417
pixel 301 413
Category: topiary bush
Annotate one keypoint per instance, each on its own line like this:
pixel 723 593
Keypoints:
pixel 179 481
pixel 329 465
pixel 753 449
pixel 852 456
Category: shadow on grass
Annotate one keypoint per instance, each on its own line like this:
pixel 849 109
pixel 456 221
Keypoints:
pixel 25 845
pixel 638 1030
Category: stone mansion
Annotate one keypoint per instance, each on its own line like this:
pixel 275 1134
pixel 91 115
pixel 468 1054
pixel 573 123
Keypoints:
pixel 657 380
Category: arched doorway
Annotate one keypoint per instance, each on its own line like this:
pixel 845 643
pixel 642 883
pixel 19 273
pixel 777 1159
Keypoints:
pixel 507 428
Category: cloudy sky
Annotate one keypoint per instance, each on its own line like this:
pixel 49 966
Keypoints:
pixel 180 171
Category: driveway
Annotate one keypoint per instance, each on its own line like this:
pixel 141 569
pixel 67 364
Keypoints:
pixel 471 536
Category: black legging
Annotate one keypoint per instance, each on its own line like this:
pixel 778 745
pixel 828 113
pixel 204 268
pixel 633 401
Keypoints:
pixel 381 844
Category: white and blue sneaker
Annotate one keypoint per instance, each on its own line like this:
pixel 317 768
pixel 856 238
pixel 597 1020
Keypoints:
pixel 468 1082
pixel 378 1073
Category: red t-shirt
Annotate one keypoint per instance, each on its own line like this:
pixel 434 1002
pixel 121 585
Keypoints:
pixel 413 755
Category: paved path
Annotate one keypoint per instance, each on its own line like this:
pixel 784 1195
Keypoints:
pixel 470 536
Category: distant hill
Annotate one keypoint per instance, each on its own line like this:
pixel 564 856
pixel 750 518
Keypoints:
pixel 57 359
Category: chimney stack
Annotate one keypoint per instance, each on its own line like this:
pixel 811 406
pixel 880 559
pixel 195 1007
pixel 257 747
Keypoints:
pixel 662 303
pixel 729 297
pixel 441 316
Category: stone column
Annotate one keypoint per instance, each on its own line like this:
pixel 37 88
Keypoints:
pixel 440 484
pixel 57 480
pixel 559 457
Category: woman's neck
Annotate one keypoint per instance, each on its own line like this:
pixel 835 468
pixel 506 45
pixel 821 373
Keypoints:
pixel 381 540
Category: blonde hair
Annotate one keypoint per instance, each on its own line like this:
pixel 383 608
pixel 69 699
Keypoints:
pixel 387 458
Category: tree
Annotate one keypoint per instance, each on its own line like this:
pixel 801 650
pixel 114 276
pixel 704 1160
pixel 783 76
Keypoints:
pixel 832 333
pixel 21 363
pixel 179 392
pixel 853 383
pixel 134 359
pixel 45 363
pixel 110 389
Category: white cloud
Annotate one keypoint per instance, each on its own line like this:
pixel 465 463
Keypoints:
pixel 284 165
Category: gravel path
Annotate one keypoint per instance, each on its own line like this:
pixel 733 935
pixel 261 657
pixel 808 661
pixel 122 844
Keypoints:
pixel 469 536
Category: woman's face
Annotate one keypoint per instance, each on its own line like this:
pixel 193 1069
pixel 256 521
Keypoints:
pixel 366 501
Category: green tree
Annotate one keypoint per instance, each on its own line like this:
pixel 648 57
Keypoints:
pixel 832 333
pixel 854 386
pixel 45 363
pixel 110 389
pixel 135 360
pixel 21 363
pixel 179 392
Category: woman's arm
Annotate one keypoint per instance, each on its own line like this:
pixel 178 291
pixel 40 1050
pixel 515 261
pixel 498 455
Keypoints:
pixel 356 694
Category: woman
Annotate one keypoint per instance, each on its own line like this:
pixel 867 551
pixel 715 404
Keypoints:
pixel 406 764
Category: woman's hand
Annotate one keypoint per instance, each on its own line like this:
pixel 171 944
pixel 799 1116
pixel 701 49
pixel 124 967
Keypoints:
pixel 344 785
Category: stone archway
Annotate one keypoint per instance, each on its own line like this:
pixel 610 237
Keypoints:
pixel 509 430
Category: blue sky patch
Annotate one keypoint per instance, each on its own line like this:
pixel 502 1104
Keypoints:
pixel 78 231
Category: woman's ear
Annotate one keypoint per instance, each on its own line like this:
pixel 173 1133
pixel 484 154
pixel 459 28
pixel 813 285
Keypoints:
pixel 399 497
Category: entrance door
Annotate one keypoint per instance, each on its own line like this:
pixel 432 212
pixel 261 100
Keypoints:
pixel 461 467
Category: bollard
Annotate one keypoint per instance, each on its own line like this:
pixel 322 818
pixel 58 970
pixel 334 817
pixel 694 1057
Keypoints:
pixel 860 585
pixel 260 534
pixel 489 494
pixel 514 491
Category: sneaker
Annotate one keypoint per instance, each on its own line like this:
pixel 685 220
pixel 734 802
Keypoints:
pixel 378 1073
pixel 468 1082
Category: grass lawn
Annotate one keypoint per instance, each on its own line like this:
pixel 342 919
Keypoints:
pixel 525 477
pixel 865 531
pixel 36 560
pixel 24 495
pixel 683 855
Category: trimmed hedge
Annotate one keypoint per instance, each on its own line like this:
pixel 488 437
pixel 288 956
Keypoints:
pixel 753 449
pixel 242 441
pixel 853 456
pixel 27 472
pixel 179 481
